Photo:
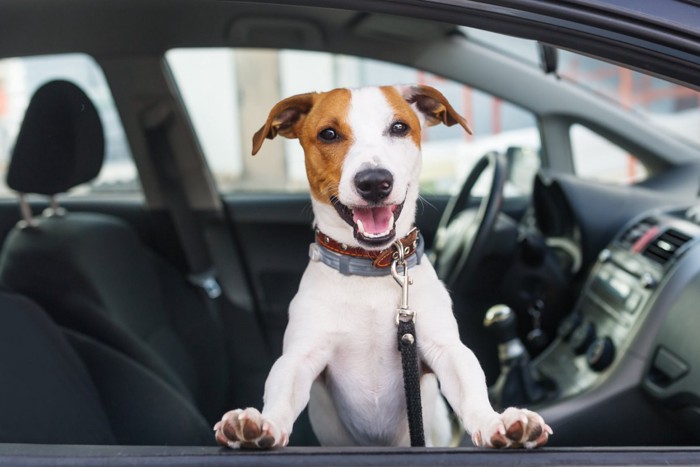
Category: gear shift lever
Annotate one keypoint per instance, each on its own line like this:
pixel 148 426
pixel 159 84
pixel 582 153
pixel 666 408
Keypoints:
pixel 515 384
pixel 501 320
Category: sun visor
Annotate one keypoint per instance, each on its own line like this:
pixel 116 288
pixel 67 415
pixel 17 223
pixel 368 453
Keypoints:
pixel 288 33
pixel 400 28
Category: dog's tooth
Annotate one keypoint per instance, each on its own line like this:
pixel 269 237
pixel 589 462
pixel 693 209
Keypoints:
pixel 360 226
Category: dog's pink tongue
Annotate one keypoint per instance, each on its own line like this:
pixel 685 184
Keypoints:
pixel 374 220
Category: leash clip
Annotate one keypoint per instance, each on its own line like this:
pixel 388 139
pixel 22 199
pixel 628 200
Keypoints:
pixel 404 280
pixel 410 366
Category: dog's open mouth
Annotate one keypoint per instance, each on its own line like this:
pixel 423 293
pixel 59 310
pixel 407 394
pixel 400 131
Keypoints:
pixel 372 225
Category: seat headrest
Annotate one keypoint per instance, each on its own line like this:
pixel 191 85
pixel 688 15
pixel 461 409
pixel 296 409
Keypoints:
pixel 60 143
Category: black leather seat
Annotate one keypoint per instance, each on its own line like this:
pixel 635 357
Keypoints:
pixel 123 305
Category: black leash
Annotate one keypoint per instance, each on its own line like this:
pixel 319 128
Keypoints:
pixel 411 381
pixel 405 322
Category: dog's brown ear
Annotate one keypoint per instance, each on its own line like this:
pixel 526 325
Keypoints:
pixel 284 119
pixel 431 103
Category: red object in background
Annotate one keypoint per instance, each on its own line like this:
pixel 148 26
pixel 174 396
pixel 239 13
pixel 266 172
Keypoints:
pixel 468 109
pixel 495 115
pixel 644 240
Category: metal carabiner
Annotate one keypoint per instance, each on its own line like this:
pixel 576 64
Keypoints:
pixel 404 280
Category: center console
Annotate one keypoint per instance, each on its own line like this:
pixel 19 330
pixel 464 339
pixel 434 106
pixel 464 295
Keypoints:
pixel 636 323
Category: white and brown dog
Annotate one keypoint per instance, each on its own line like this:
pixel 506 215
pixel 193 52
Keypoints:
pixel 363 157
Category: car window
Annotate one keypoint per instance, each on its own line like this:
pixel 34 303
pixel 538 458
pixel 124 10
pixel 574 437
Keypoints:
pixel 20 77
pixel 670 106
pixel 673 107
pixel 597 158
pixel 229 92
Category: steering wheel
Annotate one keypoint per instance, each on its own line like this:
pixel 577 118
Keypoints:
pixel 462 232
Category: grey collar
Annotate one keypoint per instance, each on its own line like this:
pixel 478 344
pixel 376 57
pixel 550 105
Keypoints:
pixel 353 266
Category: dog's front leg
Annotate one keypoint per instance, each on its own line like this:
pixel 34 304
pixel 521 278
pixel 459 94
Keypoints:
pixel 463 383
pixel 286 394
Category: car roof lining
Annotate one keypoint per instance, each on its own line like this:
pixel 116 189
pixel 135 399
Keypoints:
pixel 130 27
pixel 307 33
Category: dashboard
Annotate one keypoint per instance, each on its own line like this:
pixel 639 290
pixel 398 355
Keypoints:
pixel 633 338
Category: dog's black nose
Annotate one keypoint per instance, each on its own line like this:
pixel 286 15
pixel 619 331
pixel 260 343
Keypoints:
pixel 374 184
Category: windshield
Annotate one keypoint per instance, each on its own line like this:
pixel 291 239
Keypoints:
pixel 670 106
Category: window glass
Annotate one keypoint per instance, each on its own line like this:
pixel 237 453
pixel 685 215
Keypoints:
pixel 672 107
pixel 228 94
pixel 20 77
pixel 597 158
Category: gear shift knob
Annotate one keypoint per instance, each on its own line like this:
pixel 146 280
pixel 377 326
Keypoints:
pixel 516 384
pixel 501 320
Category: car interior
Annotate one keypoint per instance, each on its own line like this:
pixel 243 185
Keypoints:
pixel 136 314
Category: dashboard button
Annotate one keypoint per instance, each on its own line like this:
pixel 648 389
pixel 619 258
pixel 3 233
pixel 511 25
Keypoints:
pixel 582 337
pixel 647 281
pixel 600 354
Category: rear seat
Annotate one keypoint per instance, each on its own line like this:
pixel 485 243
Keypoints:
pixel 53 392
pixel 131 316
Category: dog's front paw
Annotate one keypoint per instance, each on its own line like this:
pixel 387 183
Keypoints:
pixel 514 428
pixel 248 429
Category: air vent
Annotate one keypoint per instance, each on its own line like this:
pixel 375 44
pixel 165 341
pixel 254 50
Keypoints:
pixel 639 230
pixel 665 246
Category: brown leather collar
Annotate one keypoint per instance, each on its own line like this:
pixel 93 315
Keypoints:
pixel 381 258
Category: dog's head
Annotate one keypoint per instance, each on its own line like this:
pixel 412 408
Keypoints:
pixel 363 155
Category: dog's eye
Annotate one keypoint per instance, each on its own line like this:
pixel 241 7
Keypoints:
pixel 328 135
pixel 398 129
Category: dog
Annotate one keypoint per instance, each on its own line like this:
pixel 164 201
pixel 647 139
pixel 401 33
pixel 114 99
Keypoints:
pixel 362 152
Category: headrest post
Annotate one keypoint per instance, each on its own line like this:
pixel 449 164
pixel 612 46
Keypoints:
pixel 26 211
pixel 54 210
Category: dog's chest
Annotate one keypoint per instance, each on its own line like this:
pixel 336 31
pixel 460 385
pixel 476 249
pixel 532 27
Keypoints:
pixel 357 318
pixel 364 374
pixel 358 315
pixel 358 311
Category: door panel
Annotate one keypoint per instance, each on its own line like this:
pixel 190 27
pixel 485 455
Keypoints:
pixel 274 233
